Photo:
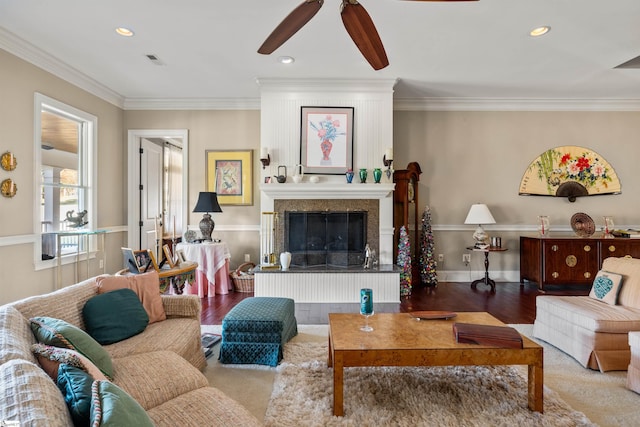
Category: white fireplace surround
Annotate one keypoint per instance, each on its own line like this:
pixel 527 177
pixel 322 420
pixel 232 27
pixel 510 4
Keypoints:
pixel 383 192
pixel 280 111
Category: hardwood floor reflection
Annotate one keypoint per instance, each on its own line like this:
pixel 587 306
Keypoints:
pixel 511 303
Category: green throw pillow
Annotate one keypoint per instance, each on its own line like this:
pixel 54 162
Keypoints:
pixel 112 406
pixel 114 316
pixel 59 333
pixel 75 385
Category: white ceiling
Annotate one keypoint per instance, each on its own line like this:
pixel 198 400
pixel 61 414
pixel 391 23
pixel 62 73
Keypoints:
pixel 470 50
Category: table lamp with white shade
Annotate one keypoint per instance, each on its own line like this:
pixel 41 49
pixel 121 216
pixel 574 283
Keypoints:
pixel 480 214
pixel 207 202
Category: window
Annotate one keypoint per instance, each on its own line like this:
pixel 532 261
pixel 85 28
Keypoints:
pixel 65 160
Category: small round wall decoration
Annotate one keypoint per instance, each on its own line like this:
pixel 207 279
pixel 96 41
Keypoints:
pixel 8 161
pixel 8 188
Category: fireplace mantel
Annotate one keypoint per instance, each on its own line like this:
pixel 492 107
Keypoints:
pixel 327 191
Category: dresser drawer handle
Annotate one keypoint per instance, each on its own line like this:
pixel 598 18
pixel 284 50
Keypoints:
pixel 554 248
pixel 555 275
pixel 612 248
pixel 587 275
pixel 571 261
pixel 587 248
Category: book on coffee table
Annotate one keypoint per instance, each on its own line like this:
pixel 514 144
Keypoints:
pixel 498 336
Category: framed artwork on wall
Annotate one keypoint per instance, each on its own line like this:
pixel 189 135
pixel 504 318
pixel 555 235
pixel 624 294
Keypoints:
pixel 230 174
pixel 326 139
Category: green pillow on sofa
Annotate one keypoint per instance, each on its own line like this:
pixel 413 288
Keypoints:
pixel 114 316
pixel 113 407
pixel 59 333
pixel 75 385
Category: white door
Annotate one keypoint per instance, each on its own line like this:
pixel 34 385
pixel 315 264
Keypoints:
pixel 150 193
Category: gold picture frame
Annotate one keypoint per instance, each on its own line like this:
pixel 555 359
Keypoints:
pixel 230 175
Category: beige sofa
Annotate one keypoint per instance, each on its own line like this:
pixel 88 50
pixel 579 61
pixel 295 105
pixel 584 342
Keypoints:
pixel 160 367
pixel 591 331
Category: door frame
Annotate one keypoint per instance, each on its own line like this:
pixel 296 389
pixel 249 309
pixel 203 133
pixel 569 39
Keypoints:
pixel 133 172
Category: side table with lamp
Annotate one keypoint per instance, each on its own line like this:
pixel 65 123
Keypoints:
pixel 480 214
pixel 212 274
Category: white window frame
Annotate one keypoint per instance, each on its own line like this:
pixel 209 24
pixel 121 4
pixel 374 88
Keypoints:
pixel 88 158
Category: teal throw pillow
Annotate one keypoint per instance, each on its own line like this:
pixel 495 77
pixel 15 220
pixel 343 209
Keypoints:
pixel 114 316
pixel 75 385
pixel 111 406
pixel 606 287
pixel 59 333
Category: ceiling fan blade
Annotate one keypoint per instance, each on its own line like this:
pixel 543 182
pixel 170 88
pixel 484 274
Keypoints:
pixel 363 33
pixel 290 25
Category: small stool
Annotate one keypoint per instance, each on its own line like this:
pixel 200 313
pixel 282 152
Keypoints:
pixel 255 331
pixel 633 372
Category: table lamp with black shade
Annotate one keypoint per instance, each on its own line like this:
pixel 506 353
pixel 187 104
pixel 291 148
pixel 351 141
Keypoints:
pixel 207 202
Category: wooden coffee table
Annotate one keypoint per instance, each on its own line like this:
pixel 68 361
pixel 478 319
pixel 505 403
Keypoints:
pixel 398 339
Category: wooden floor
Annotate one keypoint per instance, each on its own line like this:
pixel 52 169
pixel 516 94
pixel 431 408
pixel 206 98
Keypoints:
pixel 511 303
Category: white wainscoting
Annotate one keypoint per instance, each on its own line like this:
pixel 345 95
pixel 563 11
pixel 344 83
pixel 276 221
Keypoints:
pixel 328 287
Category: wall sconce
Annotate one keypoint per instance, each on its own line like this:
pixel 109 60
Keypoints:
pixel 387 159
pixel 265 158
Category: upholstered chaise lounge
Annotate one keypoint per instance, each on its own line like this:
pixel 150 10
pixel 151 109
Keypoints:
pixel 593 332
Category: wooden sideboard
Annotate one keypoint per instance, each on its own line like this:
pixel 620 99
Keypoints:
pixel 569 260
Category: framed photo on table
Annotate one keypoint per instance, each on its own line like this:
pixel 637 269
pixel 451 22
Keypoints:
pixel 180 256
pixel 145 260
pixel 230 175
pixel 326 139
pixel 168 256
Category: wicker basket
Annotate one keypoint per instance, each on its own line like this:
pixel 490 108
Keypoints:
pixel 243 281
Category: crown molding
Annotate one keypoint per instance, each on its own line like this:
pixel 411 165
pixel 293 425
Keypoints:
pixel 36 56
pixel 269 85
pixel 192 104
pixel 514 104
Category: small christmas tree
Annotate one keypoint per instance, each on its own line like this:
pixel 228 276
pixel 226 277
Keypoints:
pixel 404 261
pixel 428 264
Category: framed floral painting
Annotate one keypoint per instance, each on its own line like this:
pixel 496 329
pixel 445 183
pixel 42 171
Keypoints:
pixel 326 140
pixel 230 174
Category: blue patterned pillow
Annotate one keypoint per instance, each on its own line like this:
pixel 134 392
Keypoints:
pixel 606 287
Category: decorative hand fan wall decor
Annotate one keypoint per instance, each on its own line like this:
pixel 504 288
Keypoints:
pixel 569 172
pixel 355 18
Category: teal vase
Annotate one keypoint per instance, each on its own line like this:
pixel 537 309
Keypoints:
pixel 377 175
pixel 363 175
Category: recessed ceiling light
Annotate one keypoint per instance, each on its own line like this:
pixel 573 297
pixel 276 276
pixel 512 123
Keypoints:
pixel 286 60
pixel 540 31
pixel 124 32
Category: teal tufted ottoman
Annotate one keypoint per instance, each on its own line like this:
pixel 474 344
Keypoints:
pixel 256 329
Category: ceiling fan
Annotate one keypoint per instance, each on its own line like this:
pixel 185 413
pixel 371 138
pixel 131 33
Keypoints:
pixel 355 18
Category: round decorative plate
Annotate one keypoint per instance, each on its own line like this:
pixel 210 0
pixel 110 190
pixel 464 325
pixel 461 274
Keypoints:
pixel 582 224
pixel 432 315
pixel 190 236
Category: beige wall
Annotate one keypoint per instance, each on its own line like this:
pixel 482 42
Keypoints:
pixel 19 81
pixel 471 157
pixel 466 157
pixel 215 130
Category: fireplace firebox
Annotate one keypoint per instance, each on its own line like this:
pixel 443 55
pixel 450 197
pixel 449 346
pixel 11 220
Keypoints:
pixel 328 238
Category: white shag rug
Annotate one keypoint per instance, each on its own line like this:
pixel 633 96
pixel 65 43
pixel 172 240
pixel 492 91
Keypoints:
pixel 299 391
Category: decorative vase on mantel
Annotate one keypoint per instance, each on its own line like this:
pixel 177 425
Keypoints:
pixel 363 175
pixel 349 176
pixel 377 175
